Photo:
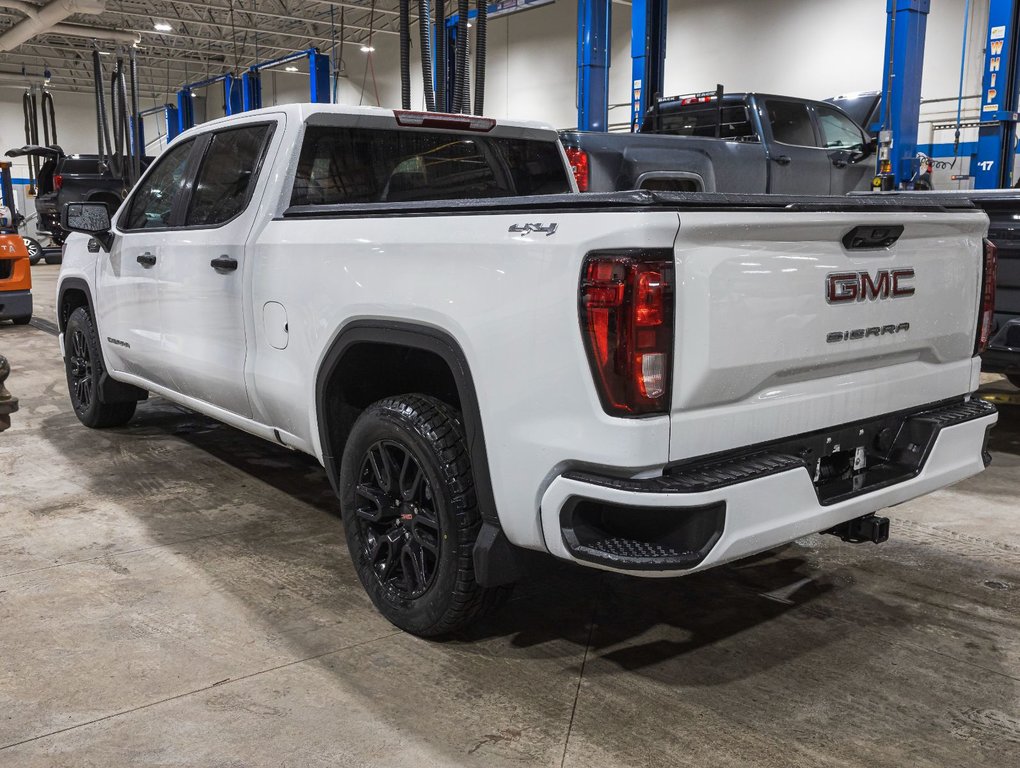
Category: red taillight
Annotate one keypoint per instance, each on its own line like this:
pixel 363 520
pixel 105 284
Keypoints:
pixel 626 306
pixel 985 319
pixel 58 181
pixel 579 166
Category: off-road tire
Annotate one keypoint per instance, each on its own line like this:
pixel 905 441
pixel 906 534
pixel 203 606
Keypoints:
pixel 84 366
pixel 23 320
pixel 431 433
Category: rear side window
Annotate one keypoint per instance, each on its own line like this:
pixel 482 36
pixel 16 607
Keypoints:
pixel 701 120
pixel 79 165
pixel 153 199
pixel 227 175
pixel 358 165
pixel 791 123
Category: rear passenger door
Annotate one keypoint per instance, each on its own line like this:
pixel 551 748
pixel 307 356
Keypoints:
pixel 797 163
pixel 205 322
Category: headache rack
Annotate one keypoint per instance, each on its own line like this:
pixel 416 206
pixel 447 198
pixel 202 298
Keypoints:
pixel 683 100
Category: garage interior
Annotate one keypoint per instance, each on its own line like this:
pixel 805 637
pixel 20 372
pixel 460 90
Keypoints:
pixel 177 592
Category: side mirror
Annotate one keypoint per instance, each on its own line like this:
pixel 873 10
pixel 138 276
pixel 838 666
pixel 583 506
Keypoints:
pixel 866 150
pixel 89 219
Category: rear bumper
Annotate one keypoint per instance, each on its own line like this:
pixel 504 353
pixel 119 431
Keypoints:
pixel 15 304
pixel 714 512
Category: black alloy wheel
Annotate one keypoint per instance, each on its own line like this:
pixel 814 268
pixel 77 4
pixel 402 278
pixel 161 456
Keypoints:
pixel 80 379
pixel 411 516
pixel 396 513
pixel 84 366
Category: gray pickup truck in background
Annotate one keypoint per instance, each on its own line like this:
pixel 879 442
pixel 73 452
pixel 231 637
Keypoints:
pixel 716 142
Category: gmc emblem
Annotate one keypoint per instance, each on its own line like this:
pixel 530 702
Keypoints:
pixel 844 287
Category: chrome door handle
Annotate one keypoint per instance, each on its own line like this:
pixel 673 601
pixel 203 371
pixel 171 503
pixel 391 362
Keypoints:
pixel 146 259
pixel 224 263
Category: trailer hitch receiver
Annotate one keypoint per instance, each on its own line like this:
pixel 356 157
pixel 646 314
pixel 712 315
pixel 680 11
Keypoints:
pixel 862 529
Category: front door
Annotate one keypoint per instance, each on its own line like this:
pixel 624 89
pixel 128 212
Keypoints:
pixel 797 164
pixel 127 283
pixel 203 269
pixel 851 167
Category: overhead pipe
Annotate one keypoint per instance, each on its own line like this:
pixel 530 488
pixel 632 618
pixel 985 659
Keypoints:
pixel 96 33
pixel 102 126
pixel 405 54
pixel 45 120
pixel 45 18
pixel 137 150
pixel 460 85
pixel 481 25
pixel 28 104
pixel 441 102
pixel 48 108
pixel 425 30
pixel 115 121
pixel 29 9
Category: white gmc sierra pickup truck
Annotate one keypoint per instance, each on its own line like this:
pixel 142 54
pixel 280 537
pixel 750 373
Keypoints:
pixel 486 361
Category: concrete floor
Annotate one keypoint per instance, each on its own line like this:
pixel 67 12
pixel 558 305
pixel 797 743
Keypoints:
pixel 177 593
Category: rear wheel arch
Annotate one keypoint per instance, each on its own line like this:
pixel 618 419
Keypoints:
pixel 437 367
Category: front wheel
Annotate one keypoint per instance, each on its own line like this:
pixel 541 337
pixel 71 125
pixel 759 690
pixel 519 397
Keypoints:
pixel 84 366
pixel 410 514
pixel 1014 379
pixel 23 320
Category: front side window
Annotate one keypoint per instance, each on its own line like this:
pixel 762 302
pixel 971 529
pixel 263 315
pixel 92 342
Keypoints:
pixel 153 200
pixel 227 176
pixel 361 165
pixel 791 123
pixel 838 131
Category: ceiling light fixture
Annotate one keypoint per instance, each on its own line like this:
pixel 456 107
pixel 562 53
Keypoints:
pixel 367 49
pixel 162 26
pixel 290 69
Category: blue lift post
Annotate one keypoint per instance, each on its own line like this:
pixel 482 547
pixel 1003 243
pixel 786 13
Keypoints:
pixel 170 119
pixel 901 86
pixel 1000 89
pixel 318 78
pixel 648 56
pixel 594 22
pixel 232 99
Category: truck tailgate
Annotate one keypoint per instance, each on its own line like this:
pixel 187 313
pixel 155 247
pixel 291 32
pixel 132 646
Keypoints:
pixel 782 329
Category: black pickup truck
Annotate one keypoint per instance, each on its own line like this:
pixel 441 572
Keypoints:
pixel 1003 209
pixel 71 178
pixel 717 142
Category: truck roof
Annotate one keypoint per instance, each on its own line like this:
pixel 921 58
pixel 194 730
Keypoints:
pixel 303 111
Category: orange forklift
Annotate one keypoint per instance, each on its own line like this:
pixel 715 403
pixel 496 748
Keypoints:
pixel 15 268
